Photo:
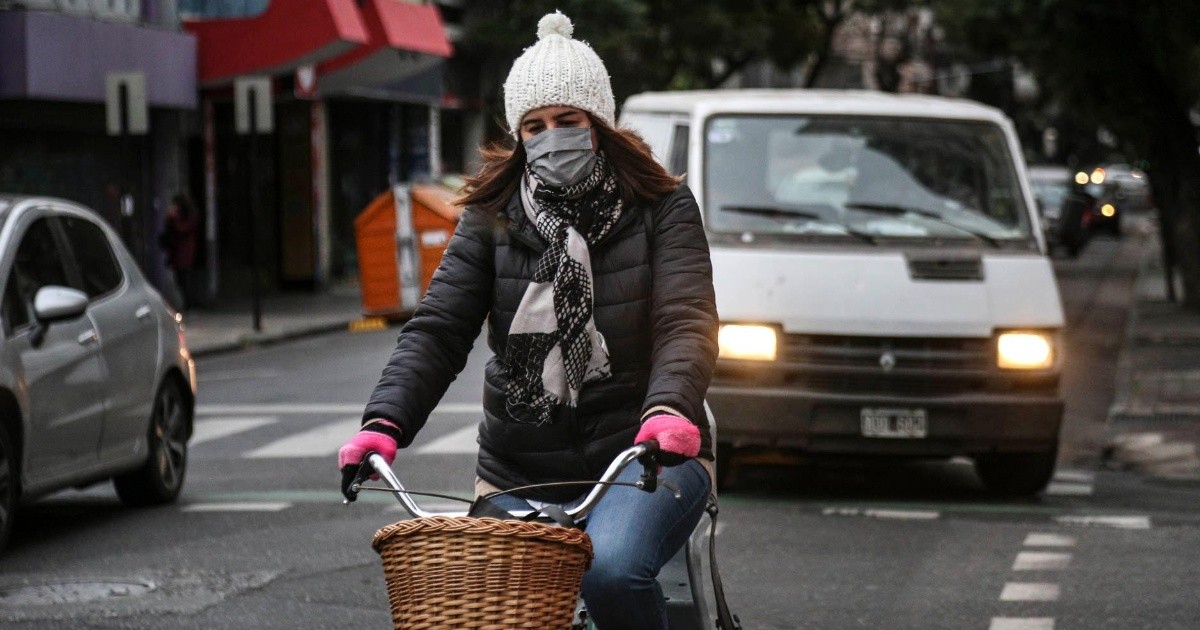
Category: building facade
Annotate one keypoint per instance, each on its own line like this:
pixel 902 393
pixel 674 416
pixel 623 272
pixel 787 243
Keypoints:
pixel 358 105
pixel 57 60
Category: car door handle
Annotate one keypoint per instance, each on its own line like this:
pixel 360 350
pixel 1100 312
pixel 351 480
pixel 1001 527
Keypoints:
pixel 87 337
pixel 142 313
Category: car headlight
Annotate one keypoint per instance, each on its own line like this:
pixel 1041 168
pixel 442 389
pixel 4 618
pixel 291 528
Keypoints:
pixel 1025 350
pixel 750 342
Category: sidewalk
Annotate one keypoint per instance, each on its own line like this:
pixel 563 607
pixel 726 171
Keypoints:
pixel 1154 421
pixel 229 327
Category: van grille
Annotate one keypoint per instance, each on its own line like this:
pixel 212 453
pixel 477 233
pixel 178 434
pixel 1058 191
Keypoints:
pixel 903 366
pixel 954 269
pixel 909 353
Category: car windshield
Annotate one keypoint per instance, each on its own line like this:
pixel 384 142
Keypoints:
pixel 1051 192
pixel 844 176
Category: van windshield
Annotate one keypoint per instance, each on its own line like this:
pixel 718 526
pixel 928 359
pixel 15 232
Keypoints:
pixel 856 177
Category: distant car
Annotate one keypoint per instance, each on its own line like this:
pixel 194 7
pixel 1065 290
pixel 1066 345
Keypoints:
pixel 1067 209
pixel 96 380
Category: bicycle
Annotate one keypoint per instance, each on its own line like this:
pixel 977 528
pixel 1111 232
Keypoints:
pixel 680 579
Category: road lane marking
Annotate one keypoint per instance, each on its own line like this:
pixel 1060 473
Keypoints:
pixel 210 429
pixel 460 441
pixel 325 440
pixel 903 515
pixel 317 408
pixel 1030 592
pixel 1022 623
pixel 247 506
pixel 1041 561
pixel 1049 540
pixel 1074 476
pixel 1064 489
pixel 1119 522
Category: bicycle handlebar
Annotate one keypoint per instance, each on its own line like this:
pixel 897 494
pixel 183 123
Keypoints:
pixel 600 487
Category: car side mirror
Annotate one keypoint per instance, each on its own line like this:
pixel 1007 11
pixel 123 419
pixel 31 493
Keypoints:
pixel 55 304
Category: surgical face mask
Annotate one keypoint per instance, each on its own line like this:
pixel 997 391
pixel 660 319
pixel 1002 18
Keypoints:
pixel 561 157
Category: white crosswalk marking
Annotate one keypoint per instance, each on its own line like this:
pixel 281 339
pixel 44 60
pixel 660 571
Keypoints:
pixel 317 408
pixel 1041 561
pixel 1030 592
pixel 323 441
pixel 209 429
pixel 1074 476
pixel 1049 540
pixel 460 441
pixel 1022 623
pixel 1065 489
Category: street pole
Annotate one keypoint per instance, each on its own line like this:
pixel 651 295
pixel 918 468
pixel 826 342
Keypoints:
pixel 247 110
pixel 255 297
pixel 124 220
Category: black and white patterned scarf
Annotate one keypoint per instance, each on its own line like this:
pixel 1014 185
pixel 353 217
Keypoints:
pixel 553 346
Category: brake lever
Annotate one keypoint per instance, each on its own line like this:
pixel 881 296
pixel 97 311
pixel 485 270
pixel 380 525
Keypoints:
pixel 351 488
pixel 650 466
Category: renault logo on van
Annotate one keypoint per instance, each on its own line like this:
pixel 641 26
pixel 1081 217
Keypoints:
pixel 887 361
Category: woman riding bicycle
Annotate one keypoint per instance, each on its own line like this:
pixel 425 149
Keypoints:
pixel 590 264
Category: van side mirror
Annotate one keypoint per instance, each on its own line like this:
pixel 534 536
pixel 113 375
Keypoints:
pixel 55 304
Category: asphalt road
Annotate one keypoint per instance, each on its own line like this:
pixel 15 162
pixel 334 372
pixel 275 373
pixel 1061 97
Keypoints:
pixel 260 539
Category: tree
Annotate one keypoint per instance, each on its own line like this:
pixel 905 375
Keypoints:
pixel 1131 67
pixel 646 44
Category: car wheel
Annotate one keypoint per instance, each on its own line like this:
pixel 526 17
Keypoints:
pixel 160 479
pixel 8 486
pixel 1016 474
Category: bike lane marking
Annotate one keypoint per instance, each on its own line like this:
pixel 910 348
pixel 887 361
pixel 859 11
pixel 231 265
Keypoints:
pixel 241 506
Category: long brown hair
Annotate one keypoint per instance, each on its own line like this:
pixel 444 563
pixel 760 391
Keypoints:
pixel 640 177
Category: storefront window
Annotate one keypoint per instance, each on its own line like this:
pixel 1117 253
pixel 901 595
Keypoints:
pixel 209 9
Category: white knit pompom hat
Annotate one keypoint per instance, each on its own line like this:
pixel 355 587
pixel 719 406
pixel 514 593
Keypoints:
pixel 557 70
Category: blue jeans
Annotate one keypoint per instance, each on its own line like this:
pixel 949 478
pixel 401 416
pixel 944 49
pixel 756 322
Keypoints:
pixel 634 533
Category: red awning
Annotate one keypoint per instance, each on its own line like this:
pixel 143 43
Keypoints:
pixel 415 30
pixel 290 34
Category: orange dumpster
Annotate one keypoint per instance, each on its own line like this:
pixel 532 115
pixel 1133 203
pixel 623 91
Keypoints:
pixel 400 237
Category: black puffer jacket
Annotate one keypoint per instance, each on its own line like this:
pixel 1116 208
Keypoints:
pixel 654 303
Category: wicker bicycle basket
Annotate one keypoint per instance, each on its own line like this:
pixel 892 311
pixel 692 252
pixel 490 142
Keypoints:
pixel 482 573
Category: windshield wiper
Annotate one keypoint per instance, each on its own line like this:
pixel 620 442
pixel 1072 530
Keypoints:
pixel 776 212
pixel 884 208
pixel 771 211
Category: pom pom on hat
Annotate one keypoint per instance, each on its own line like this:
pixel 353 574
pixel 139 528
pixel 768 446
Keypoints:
pixel 558 71
pixel 555 24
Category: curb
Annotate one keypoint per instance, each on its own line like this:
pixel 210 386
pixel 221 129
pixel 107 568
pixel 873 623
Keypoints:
pixel 257 340
pixel 1141 437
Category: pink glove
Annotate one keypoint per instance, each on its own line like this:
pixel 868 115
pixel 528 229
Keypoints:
pixel 378 436
pixel 678 439
pixel 363 442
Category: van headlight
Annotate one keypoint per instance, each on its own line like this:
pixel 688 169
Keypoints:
pixel 748 342
pixel 1025 350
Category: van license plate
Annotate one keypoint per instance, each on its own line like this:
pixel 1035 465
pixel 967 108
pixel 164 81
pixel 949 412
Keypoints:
pixel 894 423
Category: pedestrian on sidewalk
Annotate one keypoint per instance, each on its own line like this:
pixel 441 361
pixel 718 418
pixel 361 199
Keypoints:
pixel 178 240
pixel 590 264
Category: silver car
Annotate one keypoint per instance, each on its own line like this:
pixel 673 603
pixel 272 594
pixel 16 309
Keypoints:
pixel 96 381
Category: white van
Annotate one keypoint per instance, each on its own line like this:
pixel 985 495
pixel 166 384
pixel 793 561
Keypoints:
pixel 881 276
